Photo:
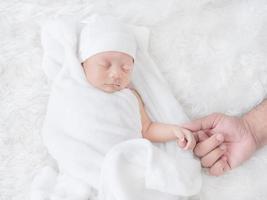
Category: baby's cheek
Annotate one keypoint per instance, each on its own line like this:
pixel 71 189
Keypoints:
pixel 99 78
pixel 129 77
pixel 126 82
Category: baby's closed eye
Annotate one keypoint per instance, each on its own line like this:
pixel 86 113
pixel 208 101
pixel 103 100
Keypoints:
pixel 104 65
pixel 127 68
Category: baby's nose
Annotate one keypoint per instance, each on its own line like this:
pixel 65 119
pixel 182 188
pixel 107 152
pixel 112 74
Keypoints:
pixel 115 72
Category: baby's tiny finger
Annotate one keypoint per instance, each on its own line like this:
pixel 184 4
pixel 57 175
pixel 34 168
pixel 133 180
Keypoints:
pixel 191 142
pixel 181 144
pixel 190 145
pixel 182 138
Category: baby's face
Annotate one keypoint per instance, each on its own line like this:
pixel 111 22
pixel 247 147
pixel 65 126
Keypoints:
pixel 109 71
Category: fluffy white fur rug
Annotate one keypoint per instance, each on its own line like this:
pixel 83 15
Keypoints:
pixel 213 53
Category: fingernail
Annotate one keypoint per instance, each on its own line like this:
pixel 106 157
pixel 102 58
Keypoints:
pixel 219 137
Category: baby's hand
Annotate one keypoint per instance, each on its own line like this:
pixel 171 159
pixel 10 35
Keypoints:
pixel 186 139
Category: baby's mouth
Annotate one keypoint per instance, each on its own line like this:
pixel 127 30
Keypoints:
pixel 113 84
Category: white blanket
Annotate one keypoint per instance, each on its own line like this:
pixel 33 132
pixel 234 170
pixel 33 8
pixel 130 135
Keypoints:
pixel 95 137
pixel 213 54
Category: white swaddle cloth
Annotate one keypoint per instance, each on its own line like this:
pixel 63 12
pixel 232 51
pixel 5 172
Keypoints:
pixel 95 137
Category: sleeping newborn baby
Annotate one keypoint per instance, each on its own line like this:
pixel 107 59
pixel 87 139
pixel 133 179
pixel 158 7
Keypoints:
pixel 111 72
pixel 93 108
pixel 107 57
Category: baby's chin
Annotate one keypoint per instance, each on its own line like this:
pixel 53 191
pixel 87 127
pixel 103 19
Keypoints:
pixel 112 88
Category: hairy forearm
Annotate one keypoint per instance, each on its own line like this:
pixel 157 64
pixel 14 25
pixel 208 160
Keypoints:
pixel 257 120
pixel 159 132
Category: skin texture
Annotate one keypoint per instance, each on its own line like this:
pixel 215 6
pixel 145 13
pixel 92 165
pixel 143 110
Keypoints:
pixel 225 142
pixel 111 72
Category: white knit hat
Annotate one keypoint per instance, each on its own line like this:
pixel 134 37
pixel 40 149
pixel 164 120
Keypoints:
pixel 101 34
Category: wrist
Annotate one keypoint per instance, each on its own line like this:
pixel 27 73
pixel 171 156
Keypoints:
pixel 256 127
pixel 176 131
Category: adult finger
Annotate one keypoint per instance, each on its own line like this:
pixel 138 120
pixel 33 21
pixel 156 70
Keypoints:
pixel 218 168
pixel 200 136
pixel 206 146
pixel 211 158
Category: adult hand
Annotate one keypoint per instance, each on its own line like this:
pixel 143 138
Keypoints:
pixel 224 142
